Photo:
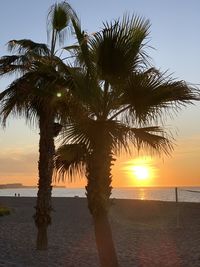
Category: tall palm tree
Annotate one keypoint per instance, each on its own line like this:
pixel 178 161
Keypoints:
pixel 121 98
pixel 40 95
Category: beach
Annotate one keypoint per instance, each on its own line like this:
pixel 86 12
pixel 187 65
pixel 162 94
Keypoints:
pixel 146 233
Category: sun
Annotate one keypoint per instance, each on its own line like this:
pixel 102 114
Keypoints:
pixel 141 172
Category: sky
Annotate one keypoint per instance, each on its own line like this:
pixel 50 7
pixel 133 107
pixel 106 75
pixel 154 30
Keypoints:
pixel 175 38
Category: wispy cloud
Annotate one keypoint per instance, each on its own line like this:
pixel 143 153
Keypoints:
pixel 18 162
pixel 188 146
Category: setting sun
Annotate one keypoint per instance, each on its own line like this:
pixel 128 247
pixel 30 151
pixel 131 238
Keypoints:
pixel 140 172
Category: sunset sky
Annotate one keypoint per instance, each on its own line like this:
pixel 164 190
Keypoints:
pixel 175 37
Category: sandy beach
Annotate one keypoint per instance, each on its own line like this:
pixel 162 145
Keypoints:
pixel 145 233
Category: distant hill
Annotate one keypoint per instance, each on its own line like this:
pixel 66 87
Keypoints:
pixel 18 185
pixel 15 185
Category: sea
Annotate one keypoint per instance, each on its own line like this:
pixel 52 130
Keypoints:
pixel 184 194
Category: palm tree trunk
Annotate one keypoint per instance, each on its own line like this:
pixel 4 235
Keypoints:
pixel 98 192
pixel 104 242
pixel 45 167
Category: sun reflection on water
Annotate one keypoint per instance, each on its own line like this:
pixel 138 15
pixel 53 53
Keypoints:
pixel 142 195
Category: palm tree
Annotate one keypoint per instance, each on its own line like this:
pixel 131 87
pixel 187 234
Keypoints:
pixel 40 95
pixel 121 98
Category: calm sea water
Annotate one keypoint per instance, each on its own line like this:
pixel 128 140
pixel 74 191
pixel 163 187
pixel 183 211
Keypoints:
pixel 189 194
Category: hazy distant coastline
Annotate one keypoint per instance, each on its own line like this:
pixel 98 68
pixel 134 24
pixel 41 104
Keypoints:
pixel 15 185
pixel 19 185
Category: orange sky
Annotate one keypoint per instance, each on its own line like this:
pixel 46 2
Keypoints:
pixel 19 156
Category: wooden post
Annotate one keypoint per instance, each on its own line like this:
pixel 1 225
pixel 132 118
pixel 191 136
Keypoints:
pixel 176 194
pixel 177 208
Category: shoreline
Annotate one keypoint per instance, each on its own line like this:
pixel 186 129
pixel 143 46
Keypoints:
pixel 145 233
pixel 158 194
pixel 112 199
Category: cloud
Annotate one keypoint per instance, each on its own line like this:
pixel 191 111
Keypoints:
pixel 17 162
pixel 190 145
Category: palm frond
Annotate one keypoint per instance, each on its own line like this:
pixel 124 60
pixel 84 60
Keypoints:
pixel 58 22
pixel 118 47
pixel 82 51
pixel 15 100
pixel 138 28
pixel 71 47
pixel 88 132
pixel 35 92
pixel 24 46
pixel 152 139
pixel 151 94
pixel 70 161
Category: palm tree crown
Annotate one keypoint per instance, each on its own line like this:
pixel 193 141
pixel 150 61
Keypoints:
pixel 116 87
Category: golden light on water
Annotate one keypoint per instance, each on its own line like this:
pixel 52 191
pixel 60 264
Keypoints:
pixel 141 171
pixel 142 195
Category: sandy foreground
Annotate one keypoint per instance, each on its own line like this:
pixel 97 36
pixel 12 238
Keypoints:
pixel 145 233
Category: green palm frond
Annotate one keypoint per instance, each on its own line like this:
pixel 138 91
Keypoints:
pixel 138 28
pixel 59 16
pixel 77 133
pixel 71 48
pixel 82 52
pixel 14 64
pixel 41 90
pixel 152 139
pixel 87 91
pixel 151 94
pixel 59 22
pixel 70 161
pixel 16 99
pixel 25 46
pixel 117 48
pixel 119 136
pixel 27 52
pixel 135 25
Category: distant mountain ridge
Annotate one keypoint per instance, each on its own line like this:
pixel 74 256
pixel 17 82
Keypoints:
pixel 19 185
pixel 15 185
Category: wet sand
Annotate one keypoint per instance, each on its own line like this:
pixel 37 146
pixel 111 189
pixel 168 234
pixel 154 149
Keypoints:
pixel 146 234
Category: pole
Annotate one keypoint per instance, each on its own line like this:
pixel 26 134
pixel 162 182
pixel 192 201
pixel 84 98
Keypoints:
pixel 176 194
pixel 177 208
